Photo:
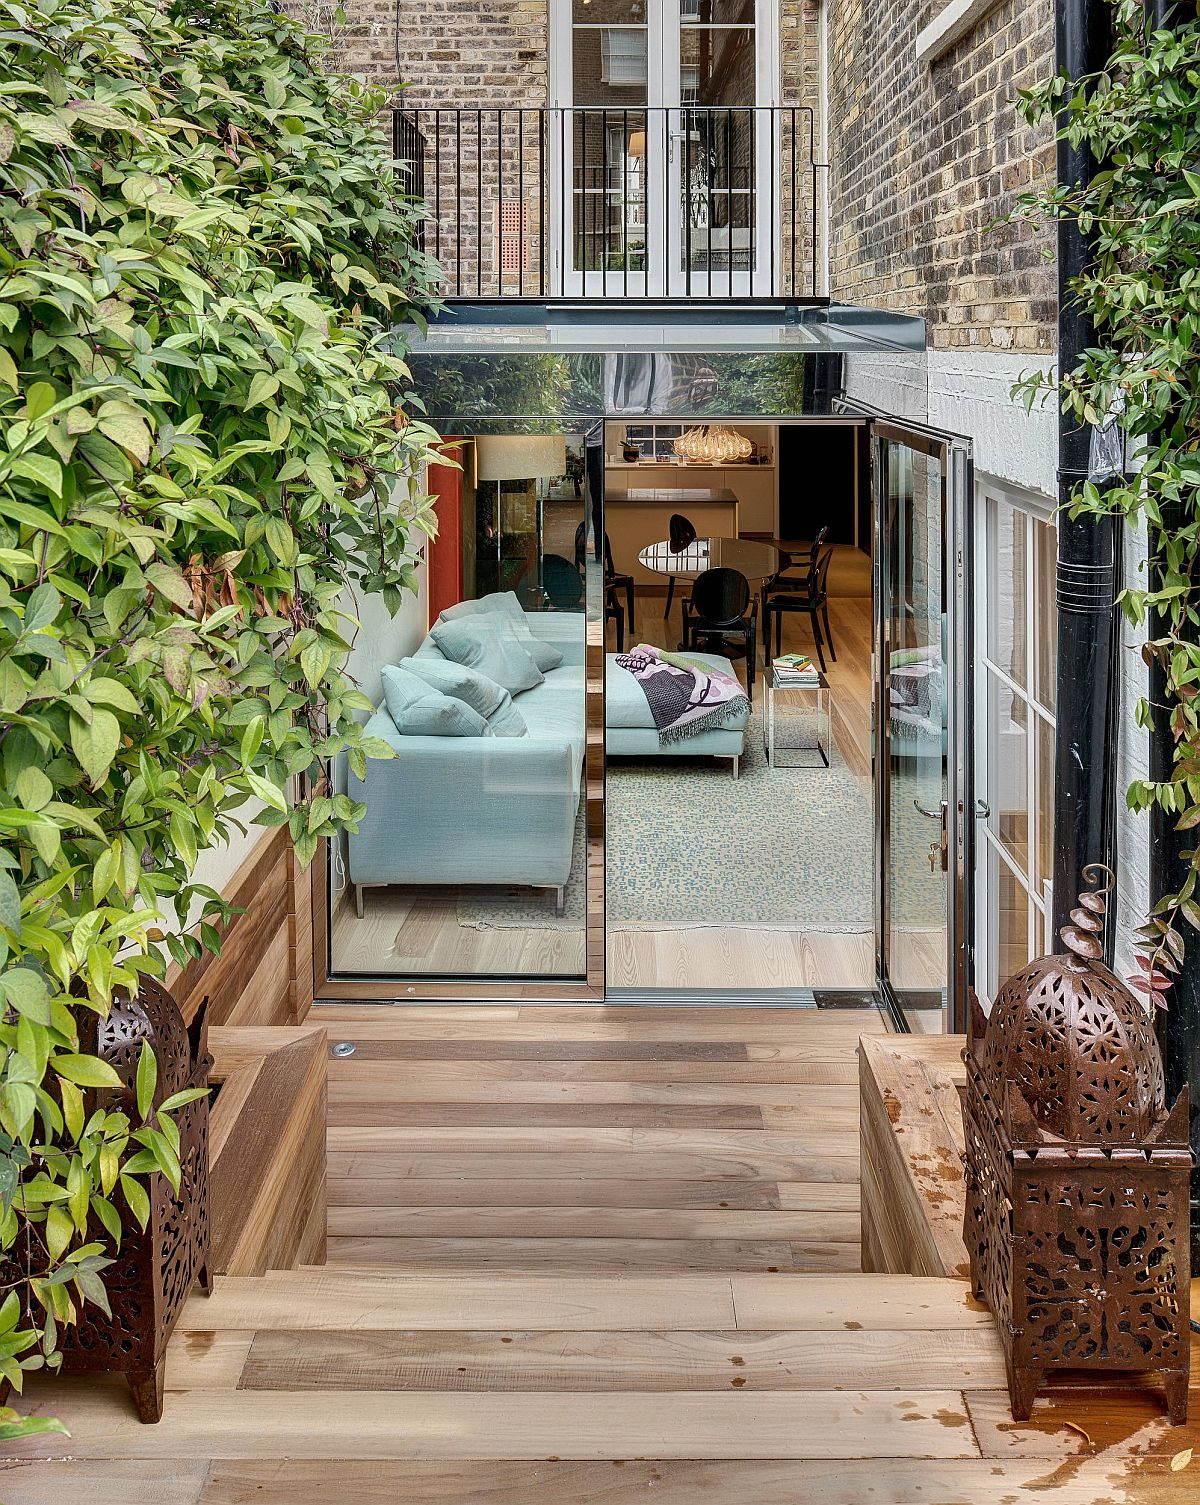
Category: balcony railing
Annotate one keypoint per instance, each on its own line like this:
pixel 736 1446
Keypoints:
pixel 709 202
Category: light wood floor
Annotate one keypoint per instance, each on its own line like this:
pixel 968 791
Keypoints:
pixel 570 1269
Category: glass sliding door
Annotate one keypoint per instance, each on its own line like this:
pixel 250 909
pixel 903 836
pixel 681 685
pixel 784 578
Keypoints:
pixel 472 859
pixel 922 707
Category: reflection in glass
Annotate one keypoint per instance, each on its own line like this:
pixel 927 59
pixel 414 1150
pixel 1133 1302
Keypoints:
pixel 1008 752
pixel 915 942
pixel 1044 803
pixel 470 859
pixel 1012 950
pixel 1045 556
pixel 1007 610
pixel 716 12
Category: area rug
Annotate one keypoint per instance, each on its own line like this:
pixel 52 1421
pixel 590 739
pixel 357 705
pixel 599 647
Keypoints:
pixel 688 845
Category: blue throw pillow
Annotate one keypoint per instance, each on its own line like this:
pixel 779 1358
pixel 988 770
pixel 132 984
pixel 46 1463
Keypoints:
pixel 505 606
pixel 418 710
pixel 480 693
pixel 506 720
pixel 475 642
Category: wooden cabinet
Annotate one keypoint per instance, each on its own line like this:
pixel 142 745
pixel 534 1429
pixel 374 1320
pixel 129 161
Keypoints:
pixel 754 487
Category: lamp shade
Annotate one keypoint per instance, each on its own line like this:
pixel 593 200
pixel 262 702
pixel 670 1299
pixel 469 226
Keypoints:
pixel 520 457
pixel 637 144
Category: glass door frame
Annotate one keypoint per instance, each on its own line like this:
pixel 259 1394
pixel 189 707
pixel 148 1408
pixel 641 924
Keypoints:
pixel 954 460
pixel 665 115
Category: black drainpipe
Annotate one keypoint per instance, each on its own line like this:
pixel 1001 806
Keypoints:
pixel 1085 755
pixel 1179 1024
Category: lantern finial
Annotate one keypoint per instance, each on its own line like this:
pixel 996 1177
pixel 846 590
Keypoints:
pixel 1083 937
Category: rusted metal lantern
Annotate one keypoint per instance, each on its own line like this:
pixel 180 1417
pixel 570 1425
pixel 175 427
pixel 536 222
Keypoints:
pixel 155 1268
pixel 1076 1173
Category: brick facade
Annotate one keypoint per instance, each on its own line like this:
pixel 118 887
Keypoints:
pixel 925 157
pixel 450 52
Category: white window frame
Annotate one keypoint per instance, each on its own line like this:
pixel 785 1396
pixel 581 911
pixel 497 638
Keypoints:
pixel 1038 509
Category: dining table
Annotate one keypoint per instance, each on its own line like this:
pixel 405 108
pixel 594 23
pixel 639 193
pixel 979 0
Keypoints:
pixel 751 557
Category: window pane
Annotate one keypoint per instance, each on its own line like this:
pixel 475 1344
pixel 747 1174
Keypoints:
pixel 471 858
pixel 717 66
pixel 1008 751
pixel 609 66
pixel 716 12
pixel 1045 627
pixel 1007 589
pixel 609 12
pixel 1012 922
pixel 1044 778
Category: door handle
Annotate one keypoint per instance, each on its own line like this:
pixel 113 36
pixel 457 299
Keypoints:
pixel 982 809
pixel 937 814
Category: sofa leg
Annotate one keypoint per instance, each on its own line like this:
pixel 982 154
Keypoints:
pixel 736 766
pixel 560 899
pixel 358 900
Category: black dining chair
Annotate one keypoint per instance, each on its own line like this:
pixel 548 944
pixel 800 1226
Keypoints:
pixel 721 614
pixel 812 600
pixel 562 584
pixel 614 581
pixel 783 583
pixel 681 534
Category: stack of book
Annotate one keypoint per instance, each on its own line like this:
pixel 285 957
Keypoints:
pixel 795 669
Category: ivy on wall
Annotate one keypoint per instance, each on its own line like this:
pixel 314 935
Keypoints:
pixel 202 246
pixel 1141 118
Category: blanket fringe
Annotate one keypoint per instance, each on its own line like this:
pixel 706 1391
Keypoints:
pixel 711 721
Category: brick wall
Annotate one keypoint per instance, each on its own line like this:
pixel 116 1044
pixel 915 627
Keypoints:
pixel 451 52
pixel 925 157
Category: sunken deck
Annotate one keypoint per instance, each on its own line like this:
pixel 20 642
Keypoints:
pixel 594 1257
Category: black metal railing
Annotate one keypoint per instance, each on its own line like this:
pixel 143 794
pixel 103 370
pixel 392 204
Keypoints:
pixel 699 201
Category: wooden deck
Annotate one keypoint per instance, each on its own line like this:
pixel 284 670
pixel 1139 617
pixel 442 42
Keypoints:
pixel 594 1257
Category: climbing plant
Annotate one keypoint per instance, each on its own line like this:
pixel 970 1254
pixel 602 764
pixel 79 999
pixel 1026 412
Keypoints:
pixel 204 455
pixel 1141 118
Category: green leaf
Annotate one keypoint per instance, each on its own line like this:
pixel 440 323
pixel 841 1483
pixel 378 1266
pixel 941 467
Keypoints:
pixel 40 399
pixel 13 1426
pixel 8 370
pixel 42 608
pixel 270 794
pixel 263 386
pixel 96 745
pixel 136 1199
pixel 103 691
pixel 169 582
pixel 10 904
pixel 26 992
pixel 85 1071
pixel 129 431
pixel 47 472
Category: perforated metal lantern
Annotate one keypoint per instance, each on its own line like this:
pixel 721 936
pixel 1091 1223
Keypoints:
pixel 1076 1174
pixel 155 1268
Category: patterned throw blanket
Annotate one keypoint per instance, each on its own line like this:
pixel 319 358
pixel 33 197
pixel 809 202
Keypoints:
pixel 685 696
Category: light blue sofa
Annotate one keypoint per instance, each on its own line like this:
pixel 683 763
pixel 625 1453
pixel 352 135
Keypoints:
pixel 502 810
pixel 484 810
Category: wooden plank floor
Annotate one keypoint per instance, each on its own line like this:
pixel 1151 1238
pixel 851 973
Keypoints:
pixel 570 1268
pixel 603 1140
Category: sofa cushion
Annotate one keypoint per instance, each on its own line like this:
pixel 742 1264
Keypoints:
pixel 480 693
pixel 475 642
pixel 506 720
pixel 418 710
pixel 506 606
